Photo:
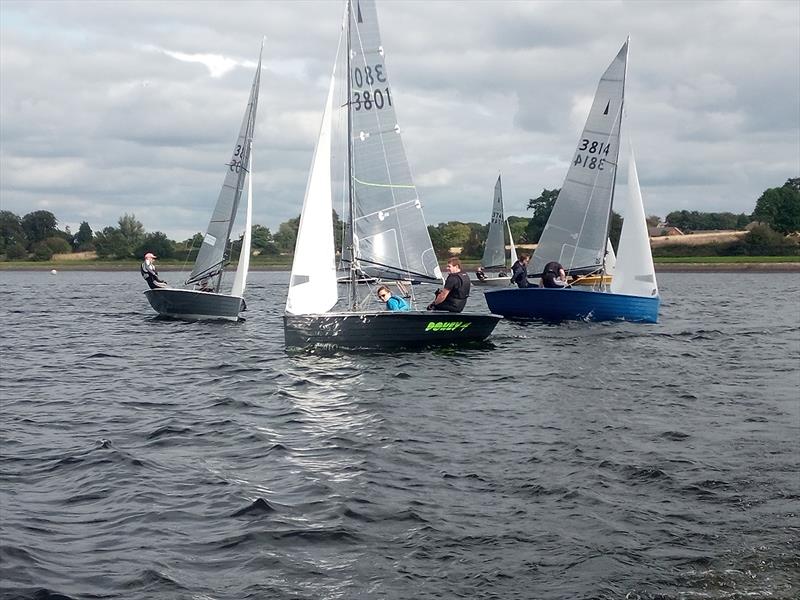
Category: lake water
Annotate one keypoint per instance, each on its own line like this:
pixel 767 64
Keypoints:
pixel 143 458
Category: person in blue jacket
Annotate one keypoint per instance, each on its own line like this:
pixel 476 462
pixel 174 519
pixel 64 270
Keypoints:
pixel 392 302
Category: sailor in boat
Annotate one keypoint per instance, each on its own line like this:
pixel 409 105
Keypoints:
pixel 454 296
pixel 149 272
pixel 480 274
pixel 393 303
pixel 205 286
pixel 554 275
pixel 519 271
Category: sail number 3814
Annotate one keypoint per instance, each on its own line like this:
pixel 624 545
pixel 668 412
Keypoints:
pixel 591 159
pixel 370 76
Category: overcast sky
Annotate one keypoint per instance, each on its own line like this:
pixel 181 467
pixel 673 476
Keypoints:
pixel 133 107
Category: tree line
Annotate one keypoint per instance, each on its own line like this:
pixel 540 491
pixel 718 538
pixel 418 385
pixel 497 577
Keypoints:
pixel 36 235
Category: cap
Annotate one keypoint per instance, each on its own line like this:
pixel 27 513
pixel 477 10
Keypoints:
pixel 150 255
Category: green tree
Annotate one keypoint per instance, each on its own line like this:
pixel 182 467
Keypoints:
pixel 84 237
pixel 455 233
pixel 440 248
pixel 11 231
pixel 39 225
pixel 131 229
pixel 615 230
pixel 542 207
pixel 110 243
pixel 476 241
pixel 157 243
pixel 519 226
pixel 762 240
pixel 58 245
pixel 742 221
pixel 780 207
pixel 16 251
pixel 286 237
pixel 42 251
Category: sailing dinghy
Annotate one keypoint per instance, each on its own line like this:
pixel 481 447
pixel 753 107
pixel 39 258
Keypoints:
pixel 360 157
pixel 494 253
pixel 576 234
pixel 191 303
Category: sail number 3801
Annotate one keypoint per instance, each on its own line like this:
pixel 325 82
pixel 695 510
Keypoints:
pixel 370 76
pixel 591 158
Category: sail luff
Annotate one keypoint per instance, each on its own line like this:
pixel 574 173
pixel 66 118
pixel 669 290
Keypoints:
pixel 211 255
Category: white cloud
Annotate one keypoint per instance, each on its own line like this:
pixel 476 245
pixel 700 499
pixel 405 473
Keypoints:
pixel 108 108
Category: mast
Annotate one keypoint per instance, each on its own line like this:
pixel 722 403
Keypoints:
pixel 616 162
pixel 350 200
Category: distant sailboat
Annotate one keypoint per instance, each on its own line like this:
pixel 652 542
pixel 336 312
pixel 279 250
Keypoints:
pixel 576 234
pixel 194 304
pixel 360 155
pixel 494 253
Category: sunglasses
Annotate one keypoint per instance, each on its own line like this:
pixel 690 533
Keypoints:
pixel 383 295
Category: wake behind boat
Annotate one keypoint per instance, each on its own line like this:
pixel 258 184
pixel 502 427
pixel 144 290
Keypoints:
pixel 576 233
pixel 386 237
pixel 205 300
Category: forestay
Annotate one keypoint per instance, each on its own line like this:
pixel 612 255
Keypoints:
pixel 212 251
pixel 390 236
pixel 576 232
pixel 494 254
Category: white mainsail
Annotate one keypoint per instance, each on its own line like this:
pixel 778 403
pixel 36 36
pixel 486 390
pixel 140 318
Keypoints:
pixel 312 286
pixel 390 235
pixel 211 256
pixel 634 273
pixel 576 232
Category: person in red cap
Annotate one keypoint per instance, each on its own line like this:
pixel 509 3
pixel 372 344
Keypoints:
pixel 150 273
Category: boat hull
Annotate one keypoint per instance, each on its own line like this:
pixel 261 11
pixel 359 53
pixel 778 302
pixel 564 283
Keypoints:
pixel 570 304
pixel 492 282
pixel 386 330
pixel 193 305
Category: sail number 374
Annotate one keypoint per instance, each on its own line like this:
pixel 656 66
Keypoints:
pixel 591 159
pixel 370 76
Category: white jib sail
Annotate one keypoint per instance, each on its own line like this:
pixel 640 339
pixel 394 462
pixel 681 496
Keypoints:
pixel 634 273
pixel 240 280
pixel 513 247
pixel 312 287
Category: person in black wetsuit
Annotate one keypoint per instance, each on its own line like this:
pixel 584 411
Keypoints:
pixel 149 272
pixel 553 275
pixel 519 271
pixel 453 297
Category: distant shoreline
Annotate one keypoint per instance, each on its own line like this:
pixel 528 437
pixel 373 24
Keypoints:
pixel 698 267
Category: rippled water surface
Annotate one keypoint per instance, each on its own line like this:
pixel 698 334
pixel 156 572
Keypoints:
pixel 143 458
